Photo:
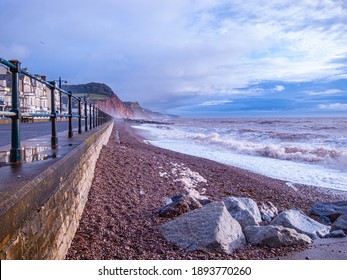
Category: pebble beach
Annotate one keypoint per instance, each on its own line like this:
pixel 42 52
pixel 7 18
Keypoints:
pixel 133 179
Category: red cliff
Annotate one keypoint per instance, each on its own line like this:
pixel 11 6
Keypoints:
pixel 115 107
pixel 110 103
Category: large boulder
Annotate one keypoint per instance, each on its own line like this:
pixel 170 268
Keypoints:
pixel 275 236
pixel 301 223
pixel 267 210
pixel 244 210
pixel 331 210
pixel 179 205
pixel 208 229
pixel 340 223
pixel 339 233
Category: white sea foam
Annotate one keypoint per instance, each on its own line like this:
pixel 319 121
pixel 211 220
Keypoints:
pixel 189 180
pixel 305 151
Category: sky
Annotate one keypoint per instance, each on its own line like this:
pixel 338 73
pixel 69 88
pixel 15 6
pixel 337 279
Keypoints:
pixel 206 58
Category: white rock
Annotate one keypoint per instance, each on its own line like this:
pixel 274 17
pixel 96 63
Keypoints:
pixel 275 236
pixel 209 229
pixel 244 210
pixel 301 223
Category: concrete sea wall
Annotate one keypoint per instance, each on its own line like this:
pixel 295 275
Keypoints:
pixel 42 224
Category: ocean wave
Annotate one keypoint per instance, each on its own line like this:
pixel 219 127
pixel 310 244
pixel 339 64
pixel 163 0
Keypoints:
pixel 308 151
pixel 274 135
pixel 282 151
pixel 287 144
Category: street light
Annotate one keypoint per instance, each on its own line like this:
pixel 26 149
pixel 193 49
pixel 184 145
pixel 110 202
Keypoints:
pixel 60 103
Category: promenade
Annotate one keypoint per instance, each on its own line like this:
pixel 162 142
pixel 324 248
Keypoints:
pixel 14 177
pixel 31 130
pixel 42 198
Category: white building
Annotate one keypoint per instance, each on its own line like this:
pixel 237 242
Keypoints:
pixel 35 97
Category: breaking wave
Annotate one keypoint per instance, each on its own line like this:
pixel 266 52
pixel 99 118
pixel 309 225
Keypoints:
pixel 276 151
pixel 305 151
pixel 305 145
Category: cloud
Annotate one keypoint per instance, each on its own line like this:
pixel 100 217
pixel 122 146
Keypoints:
pixel 155 51
pixel 279 88
pixel 215 102
pixel 325 92
pixel 334 106
pixel 337 77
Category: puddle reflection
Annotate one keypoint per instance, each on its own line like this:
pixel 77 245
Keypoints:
pixel 29 154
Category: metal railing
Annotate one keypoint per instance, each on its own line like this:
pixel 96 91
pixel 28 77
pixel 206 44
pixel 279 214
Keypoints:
pixel 94 114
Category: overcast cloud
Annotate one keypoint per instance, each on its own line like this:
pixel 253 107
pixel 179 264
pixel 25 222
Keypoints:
pixel 239 57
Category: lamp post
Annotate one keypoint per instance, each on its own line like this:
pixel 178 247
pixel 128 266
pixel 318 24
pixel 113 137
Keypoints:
pixel 60 103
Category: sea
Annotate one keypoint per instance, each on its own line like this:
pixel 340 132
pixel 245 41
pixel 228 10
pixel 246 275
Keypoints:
pixel 310 151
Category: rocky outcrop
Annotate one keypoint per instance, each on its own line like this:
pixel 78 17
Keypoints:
pixel 178 206
pixel 244 210
pixel 221 226
pixel 301 223
pixel 335 234
pixel 340 223
pixel 105 98
pixel 141 113
pixel 115 107
pixel 329 211
pixel 275 236
pixel 110 103
pixel 209 229
pixel 91 89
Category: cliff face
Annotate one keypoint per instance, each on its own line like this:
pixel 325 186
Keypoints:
pixel 105 98
pixel 139 112
pixel 142 113
pixel 115 107
pixel 91 88
pixel 110 103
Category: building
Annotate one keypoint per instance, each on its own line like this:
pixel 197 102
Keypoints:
pixel 3 69
pixel 5 91
pixel 2 104
pixel 34 97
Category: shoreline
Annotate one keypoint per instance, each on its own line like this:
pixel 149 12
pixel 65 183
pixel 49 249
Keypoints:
pixel 133 178
pixel 145 136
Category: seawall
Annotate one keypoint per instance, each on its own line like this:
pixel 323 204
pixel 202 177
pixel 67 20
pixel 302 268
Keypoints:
pixel 39 216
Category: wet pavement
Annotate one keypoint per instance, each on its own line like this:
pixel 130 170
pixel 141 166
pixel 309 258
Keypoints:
pixel 32 130
pixel 25 186
pixel 38 147
pixel 38 157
